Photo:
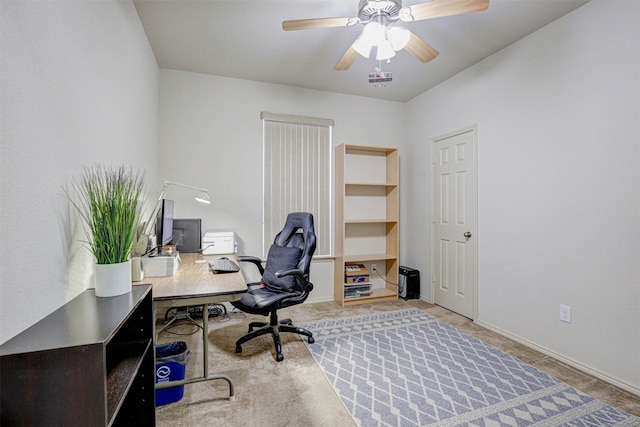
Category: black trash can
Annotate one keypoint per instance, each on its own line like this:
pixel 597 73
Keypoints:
pixel 170 366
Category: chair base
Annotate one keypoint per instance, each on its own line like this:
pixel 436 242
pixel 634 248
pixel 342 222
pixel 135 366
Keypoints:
pixel 274 327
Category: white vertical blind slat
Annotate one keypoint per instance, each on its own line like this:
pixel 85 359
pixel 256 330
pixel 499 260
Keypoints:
pixel 297 170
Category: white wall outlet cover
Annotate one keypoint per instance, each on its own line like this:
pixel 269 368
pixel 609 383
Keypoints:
pixel 565 313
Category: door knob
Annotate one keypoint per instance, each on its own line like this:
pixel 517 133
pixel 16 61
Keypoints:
pixel 467 235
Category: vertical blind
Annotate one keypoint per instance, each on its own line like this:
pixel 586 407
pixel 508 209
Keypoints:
pixel 297 175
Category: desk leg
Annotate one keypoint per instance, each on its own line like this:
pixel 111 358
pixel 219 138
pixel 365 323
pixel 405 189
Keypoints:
pixel 205 361
pixel 205 352
pixel 205 338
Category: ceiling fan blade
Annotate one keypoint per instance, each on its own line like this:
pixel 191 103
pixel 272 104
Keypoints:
pixel 347 60
pixel 306 24
pixel 440 8
pixel 420 49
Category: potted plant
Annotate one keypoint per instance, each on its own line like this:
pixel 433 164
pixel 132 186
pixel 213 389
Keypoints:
pixel 109 202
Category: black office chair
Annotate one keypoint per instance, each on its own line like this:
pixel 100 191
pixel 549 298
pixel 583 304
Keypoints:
pixel 285 281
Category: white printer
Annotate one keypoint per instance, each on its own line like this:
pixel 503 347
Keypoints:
pixel 219 243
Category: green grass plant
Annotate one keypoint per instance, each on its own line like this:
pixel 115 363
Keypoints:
pixel 109 201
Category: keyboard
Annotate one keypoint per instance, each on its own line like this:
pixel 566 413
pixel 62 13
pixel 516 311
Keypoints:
pixel 223 265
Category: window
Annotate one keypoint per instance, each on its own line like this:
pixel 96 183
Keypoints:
pixel 297 175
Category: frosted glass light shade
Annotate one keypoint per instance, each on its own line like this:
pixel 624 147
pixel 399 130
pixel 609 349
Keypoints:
pixel 374 33
pixel 385 51
pixel 362 47
pixel 399 37
pixel 387 39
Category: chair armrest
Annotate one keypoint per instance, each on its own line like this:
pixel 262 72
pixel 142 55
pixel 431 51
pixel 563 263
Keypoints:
pixel 302 278
pixel 252 259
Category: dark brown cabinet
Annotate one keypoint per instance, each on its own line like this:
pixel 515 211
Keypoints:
pixel 89 363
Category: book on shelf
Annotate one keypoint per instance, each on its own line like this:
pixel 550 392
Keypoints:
pixel 354 290
pixel 357 294
pixel 357 286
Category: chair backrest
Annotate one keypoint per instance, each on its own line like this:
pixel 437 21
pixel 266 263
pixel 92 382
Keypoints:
pixel 298 231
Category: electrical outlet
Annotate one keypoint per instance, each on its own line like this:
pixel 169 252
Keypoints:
pixel 374 267
pixel 565 313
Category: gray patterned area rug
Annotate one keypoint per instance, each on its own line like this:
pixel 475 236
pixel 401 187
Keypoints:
pixel 405 368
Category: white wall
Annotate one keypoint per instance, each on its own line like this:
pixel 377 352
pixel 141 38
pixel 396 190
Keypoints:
pixel 211 136
pixel 558 116
pixel 79 86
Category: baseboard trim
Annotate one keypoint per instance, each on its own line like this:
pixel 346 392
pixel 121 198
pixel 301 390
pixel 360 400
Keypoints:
pixel 573 363
pixel 425 299
pixel 315 300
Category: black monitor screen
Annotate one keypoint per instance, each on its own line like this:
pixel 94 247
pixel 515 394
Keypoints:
pixel 164 223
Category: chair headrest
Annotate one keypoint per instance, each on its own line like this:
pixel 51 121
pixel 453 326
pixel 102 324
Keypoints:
pixel 298 231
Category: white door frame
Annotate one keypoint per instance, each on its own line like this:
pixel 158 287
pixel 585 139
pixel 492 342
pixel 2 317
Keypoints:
pixel 474 241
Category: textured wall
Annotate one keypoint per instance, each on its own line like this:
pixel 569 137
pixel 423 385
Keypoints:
pixel 559 185
pixel 79 86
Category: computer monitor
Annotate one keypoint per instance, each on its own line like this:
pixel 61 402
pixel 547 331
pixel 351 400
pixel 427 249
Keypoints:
pixel 164 223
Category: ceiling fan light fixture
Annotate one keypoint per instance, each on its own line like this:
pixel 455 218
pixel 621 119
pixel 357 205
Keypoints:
pixel 385 51
pixel 374 33
pixel 362 47
pixel 399 37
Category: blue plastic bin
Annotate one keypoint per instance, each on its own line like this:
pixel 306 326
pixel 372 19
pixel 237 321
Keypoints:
pixel 170 366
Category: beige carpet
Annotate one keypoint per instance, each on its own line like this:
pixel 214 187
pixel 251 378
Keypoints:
pixel 295 392
pixel 267 393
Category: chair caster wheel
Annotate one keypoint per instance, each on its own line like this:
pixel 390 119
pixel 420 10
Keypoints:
pixel 311 340
pixel 238 349
pixel 279 357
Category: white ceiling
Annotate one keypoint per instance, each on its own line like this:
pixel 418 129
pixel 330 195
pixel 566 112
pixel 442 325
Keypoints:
pixel 244 39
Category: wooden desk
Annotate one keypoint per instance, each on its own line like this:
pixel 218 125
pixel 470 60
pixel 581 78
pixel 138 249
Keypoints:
pixel 194 284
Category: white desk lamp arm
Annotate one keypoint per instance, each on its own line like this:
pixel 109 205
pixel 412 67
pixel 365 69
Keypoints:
pixel 202 190
pixel 151 221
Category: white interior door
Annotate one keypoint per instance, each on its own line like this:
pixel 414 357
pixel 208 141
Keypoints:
pixel 454 221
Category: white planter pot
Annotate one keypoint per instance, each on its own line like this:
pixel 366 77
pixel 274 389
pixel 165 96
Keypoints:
pixel 113 279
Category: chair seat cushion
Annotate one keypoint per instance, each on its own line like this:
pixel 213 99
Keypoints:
pixel 281 258
pixel 260 299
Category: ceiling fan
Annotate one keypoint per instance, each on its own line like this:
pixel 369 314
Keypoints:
pixel 380 17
